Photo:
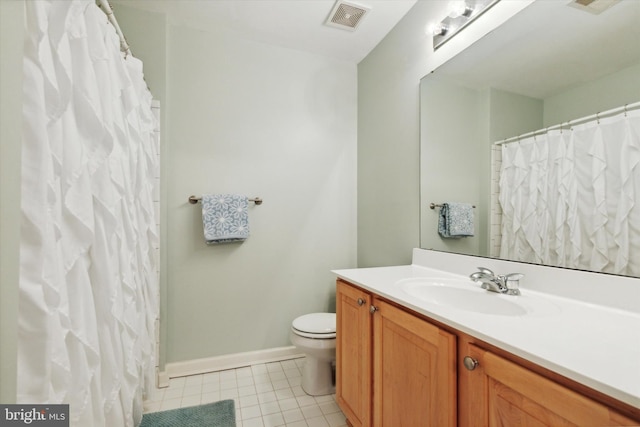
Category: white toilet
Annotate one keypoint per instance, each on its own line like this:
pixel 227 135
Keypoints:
pixel 315 335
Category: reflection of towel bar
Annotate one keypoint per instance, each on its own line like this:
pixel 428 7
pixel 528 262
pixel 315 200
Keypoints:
pixel 433 206
pixel 193 200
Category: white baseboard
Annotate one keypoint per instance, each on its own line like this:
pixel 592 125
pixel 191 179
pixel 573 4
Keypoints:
pixel 229 361
pixel 162 379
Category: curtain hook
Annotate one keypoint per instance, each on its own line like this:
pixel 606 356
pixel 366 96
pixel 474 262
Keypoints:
pixel 625 110
pixel 598 117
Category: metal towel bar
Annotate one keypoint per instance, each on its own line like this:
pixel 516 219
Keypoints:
pixel 433 206
pixel 193 200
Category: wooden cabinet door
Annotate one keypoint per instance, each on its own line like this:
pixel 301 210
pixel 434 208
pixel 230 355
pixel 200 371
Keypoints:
pixel 506 394
pixel 353 354
pixel 414 371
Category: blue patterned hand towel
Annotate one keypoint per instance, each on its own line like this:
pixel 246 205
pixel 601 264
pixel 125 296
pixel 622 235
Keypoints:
pixel 225 218
pixel 455 220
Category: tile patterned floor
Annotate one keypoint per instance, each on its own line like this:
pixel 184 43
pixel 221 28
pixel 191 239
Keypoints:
pixel 266 395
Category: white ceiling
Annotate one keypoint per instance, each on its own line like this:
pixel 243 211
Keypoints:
pixel 295 24
pixel 550 47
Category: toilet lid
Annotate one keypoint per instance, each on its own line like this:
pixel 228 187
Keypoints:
pixel 316 323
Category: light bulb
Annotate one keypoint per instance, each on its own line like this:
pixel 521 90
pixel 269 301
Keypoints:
pixel 459 8
pixel 439 29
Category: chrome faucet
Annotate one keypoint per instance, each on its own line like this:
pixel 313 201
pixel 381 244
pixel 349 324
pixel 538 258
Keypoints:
pixel 503 284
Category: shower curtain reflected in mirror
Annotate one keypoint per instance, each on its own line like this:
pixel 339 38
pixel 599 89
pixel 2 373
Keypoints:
pixel 571 197
pixel 88 277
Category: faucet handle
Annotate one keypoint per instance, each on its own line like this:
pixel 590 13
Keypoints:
pixel 485 270
pixel 512 283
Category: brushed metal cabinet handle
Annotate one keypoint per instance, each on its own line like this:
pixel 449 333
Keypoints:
pixel 470 363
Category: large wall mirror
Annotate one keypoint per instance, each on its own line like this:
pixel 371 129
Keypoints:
pixel 550 64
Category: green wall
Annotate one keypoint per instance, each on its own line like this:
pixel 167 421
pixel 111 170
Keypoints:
pixel 451 146
pixel 257 119
pixel 611 91
pixel 389 127
pixel 11 39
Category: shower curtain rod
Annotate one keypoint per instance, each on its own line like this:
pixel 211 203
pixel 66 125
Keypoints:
pixel 567 125
pixel 108 10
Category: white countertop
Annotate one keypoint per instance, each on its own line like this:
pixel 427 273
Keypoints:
pixel 595 345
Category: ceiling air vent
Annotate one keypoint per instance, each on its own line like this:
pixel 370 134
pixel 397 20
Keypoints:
pixel 346 15
pixel 593 6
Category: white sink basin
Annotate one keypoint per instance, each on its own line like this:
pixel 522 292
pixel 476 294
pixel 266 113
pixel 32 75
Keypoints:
pixel 464 294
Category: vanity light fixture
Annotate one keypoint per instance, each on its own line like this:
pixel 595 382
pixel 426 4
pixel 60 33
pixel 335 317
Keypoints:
pixel 461 14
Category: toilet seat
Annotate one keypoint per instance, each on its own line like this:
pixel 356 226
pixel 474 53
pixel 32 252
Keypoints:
pixel 315 325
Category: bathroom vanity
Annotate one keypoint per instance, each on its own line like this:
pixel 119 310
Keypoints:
pixel 416 347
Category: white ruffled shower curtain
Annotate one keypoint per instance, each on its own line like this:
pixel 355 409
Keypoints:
pixel 572 197
pixel 88 277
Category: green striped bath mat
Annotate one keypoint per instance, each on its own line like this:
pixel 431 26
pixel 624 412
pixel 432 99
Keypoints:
pixel 218 414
